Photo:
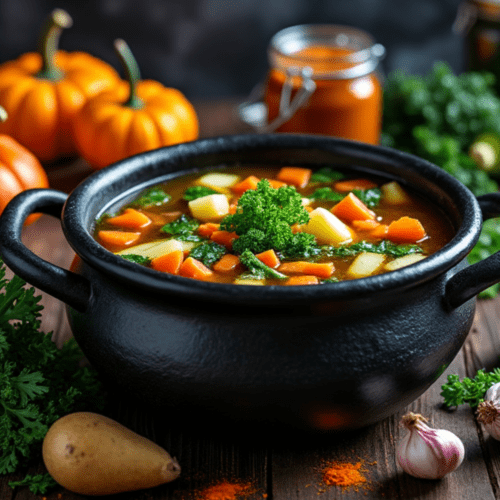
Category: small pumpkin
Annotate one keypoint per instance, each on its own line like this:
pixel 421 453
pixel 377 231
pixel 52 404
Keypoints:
pixel 133 117
pixel 42 92
pixel 19 170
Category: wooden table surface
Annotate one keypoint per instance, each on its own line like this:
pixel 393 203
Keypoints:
pixel 288 467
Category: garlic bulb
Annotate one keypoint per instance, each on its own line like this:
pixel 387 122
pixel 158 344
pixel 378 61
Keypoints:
pixel 428 453
pixel 488 412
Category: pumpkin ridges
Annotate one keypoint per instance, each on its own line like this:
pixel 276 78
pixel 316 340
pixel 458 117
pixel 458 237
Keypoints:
pixel 142 135
pixel 114 131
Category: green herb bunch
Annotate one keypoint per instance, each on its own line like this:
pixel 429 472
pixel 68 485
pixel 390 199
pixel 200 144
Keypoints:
pixel 437 117
pixel 39 383
pixel 264 219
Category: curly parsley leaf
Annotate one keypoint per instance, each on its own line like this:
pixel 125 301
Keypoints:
pixel 38 484
pixel 264 219
pixel 194 192
pixel 326 194
pixel 151 197
pixel 39 383
pixel 208 253
pixel 456 392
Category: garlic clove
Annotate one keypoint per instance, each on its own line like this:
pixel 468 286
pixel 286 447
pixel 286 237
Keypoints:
pixel 428 453
pixel 488 413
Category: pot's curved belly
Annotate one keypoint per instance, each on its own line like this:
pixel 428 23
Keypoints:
pixel 326 367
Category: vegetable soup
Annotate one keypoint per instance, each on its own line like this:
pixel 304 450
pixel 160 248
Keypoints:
pixel 252 225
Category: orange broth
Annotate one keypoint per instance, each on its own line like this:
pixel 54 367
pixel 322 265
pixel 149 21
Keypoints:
pixel 438 229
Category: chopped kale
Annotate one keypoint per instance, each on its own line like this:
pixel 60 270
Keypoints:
pixel 258 268
pixel 194 192
pixel 208 253
pixel 264 217
pixel 138 259
pixel 330 280
pixel 384 247
pixel 151 197
pixel 327 194
pixel 190 237
pixel 370 197
pixel 326 174
pixel 183 226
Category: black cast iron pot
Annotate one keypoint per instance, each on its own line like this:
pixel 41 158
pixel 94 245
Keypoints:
pixel 334 356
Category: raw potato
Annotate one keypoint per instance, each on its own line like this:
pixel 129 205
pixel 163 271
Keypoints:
pixel 327 228
pixel 365 264
pixel 91 454
pixel 209 208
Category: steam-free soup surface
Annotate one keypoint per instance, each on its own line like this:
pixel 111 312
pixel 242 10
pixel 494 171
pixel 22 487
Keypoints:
pixel 275 226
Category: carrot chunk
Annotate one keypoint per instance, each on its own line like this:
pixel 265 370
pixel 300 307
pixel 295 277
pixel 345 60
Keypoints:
pixel 225 238
pixel 365 225
pixel 352 208
pixel 246 184
pixel 350 185
pixel 380 231
pixel 302 280
pixel 269 258
pixel 228 263
pixel 118 239
pixel 192 268
pixel 130 219
pixel 320 270
pixel 206 230
pixel 296 176
pixel 276 184
pixel 169 263
pixel 405 230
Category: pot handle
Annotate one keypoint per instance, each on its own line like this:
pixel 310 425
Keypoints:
pixel 64 285
pixel 472 280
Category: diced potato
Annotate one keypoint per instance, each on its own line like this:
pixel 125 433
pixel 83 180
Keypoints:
pixel 209 208
pixel 327 228
pixel 406 260
pixel 187 246
pixel 153 249
pixel 365 264
pixel 239 281
pixel 218 181
pixel 394 194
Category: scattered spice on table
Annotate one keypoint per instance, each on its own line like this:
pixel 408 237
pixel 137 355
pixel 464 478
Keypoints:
pixel 225 490
pixel 345 474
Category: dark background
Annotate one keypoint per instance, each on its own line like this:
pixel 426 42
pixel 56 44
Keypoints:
pixel 217 48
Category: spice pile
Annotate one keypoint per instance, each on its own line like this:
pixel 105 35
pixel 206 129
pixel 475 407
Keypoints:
pixel 345 474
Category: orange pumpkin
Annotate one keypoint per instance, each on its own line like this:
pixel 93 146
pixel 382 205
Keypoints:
pixel 19 170
pixel 42 92
pixel 133 117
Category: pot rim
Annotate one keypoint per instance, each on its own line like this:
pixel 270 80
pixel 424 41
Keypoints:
pixel 77 218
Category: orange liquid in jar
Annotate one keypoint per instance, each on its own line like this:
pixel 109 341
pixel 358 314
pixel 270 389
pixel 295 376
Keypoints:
pixel 347 108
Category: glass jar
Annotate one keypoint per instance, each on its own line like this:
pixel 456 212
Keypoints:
pixel 479 22
pixel 323 79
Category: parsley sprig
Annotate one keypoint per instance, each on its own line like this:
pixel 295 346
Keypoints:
pixel 39 383
pixel 456 392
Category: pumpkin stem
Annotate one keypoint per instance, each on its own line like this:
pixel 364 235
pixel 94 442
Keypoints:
pixel 49 43
pixel 132 72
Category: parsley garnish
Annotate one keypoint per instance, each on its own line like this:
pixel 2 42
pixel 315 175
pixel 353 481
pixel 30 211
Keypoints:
pixel 39 383
pixel 183 225
pixel 194 192
pixel 151 197
pixel 471 391
pixel 264 217
pixel 208 253
pixel 327 194
pixel 370 197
